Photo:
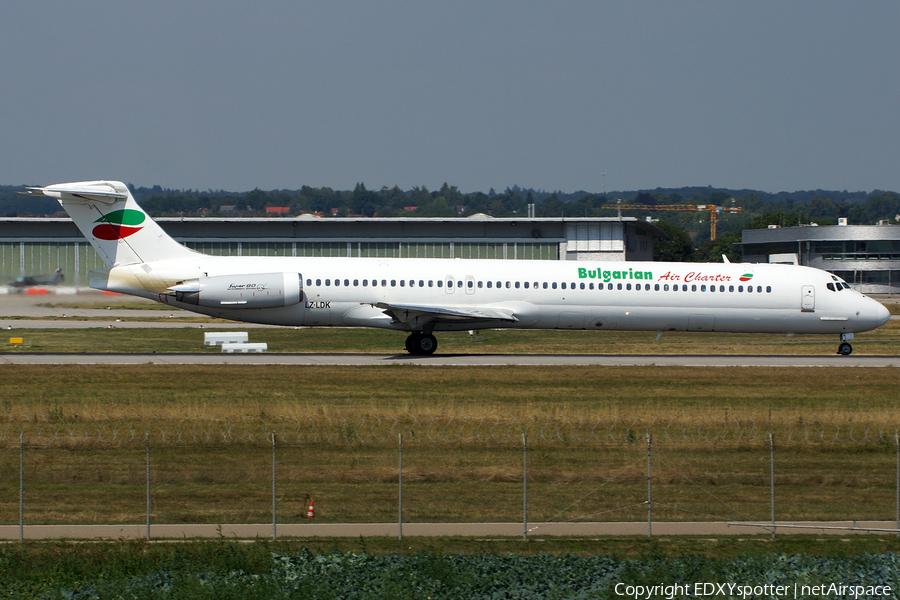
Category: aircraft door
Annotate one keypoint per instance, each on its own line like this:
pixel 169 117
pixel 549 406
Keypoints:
pixel 470 285
pixel 808 299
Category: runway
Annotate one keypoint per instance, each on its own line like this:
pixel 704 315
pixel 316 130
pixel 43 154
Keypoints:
pixel 43 312
pixel 451 360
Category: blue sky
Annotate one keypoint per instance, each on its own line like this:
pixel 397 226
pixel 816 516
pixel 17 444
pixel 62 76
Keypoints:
pixel 550 95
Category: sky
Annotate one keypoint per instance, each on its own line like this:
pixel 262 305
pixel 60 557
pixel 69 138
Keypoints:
pixel 563 95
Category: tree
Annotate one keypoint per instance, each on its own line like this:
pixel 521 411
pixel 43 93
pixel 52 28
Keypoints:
pixel 677 247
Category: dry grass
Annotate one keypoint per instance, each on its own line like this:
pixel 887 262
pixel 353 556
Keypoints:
pixel 695 480
pixel 318 391
pixel 232 484
pixel 883 341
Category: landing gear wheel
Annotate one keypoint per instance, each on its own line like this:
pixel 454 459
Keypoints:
pixel 421 344
pixel 845 349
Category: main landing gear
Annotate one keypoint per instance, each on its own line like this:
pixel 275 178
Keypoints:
pixel 845 348
pixel 421 344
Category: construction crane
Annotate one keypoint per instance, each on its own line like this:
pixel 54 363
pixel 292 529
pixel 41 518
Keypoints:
pixel 712 209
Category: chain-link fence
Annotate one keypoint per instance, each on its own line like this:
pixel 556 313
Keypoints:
pixel 108 474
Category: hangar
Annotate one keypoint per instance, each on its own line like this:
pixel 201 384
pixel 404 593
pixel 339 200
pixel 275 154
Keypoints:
pixel 31 246
pixel 865 256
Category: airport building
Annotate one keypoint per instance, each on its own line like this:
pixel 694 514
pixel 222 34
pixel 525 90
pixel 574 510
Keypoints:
pixel 30 246
pixel 865 256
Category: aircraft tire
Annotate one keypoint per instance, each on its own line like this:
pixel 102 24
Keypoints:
pixel 422 344
pixel 845 349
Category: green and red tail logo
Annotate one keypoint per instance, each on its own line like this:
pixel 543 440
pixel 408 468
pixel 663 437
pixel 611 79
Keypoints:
pixel 746 277
pixel 118 224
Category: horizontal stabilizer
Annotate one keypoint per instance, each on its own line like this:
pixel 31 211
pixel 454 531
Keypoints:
pixel 102 193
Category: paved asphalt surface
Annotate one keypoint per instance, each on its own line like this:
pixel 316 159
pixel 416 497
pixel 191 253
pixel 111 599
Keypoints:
pixel 478 530
pixel 30 314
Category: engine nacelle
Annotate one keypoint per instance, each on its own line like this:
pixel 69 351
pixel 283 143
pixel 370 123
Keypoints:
pixel 251 290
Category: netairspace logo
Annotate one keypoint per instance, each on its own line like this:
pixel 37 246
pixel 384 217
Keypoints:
pixel 736 590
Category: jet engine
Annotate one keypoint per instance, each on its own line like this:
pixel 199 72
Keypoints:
pixel 253 290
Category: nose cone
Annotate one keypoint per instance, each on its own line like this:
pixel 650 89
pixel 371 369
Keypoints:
pixel 882 315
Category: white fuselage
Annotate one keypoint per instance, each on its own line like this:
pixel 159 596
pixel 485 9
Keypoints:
pixel 634 296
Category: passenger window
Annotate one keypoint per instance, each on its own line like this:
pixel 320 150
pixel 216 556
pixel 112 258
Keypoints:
pixel 431 283
pixel 627 286
pixel 563 285
pixel 702 288
pixel 656 288
pixel 470 284
pixel 526 285
pixel 666 287
pixel 383 282
pixel 440 283
pixel 328 282
pixel 618 286
pixel 309 282
pixel 480 284
pixel 759 289
pixel 721 288
pixel 730 288
pixel 365 282
pixel 421 283
pixel 499 284
pixel 591 285
pixel 356 283
pixel 507 285
pixel 609 286
pixel 693 288
pixel 490 284
pixel 768 289
pixel 393 283
pixel 545 285
pixel 740 288
pixel 346 282
pixel 749 289
pixel 402 283
pixel 517 285
pixel 459 283
pixel 554 285
pixel 318 282
pixel 582 286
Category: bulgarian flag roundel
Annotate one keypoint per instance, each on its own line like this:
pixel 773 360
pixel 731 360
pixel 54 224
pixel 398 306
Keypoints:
pixel 118 224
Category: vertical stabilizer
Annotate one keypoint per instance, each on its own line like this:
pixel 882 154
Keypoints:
pixel 120 231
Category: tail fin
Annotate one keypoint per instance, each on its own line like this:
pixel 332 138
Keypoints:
pixel 118 229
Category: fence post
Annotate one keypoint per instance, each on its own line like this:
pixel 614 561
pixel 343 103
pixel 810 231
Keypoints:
pixel 274 505
pixel 148 487
pixel 649 491
pixel 400 488
pixel 772 479
pixel 524 488
pixel 21 487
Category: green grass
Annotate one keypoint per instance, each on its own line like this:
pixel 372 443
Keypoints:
pixel 883 341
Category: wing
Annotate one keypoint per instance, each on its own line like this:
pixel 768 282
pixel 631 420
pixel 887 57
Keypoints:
pixel 420 314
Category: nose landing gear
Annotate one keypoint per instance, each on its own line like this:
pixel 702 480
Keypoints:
pixel 421 344
pixel 845 348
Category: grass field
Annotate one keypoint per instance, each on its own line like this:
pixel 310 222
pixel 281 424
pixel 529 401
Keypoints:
pixel 883 341
pixel 84 479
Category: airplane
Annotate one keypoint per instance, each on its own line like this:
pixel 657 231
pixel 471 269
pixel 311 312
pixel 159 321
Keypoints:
pixel 32 280
pixel 424 296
